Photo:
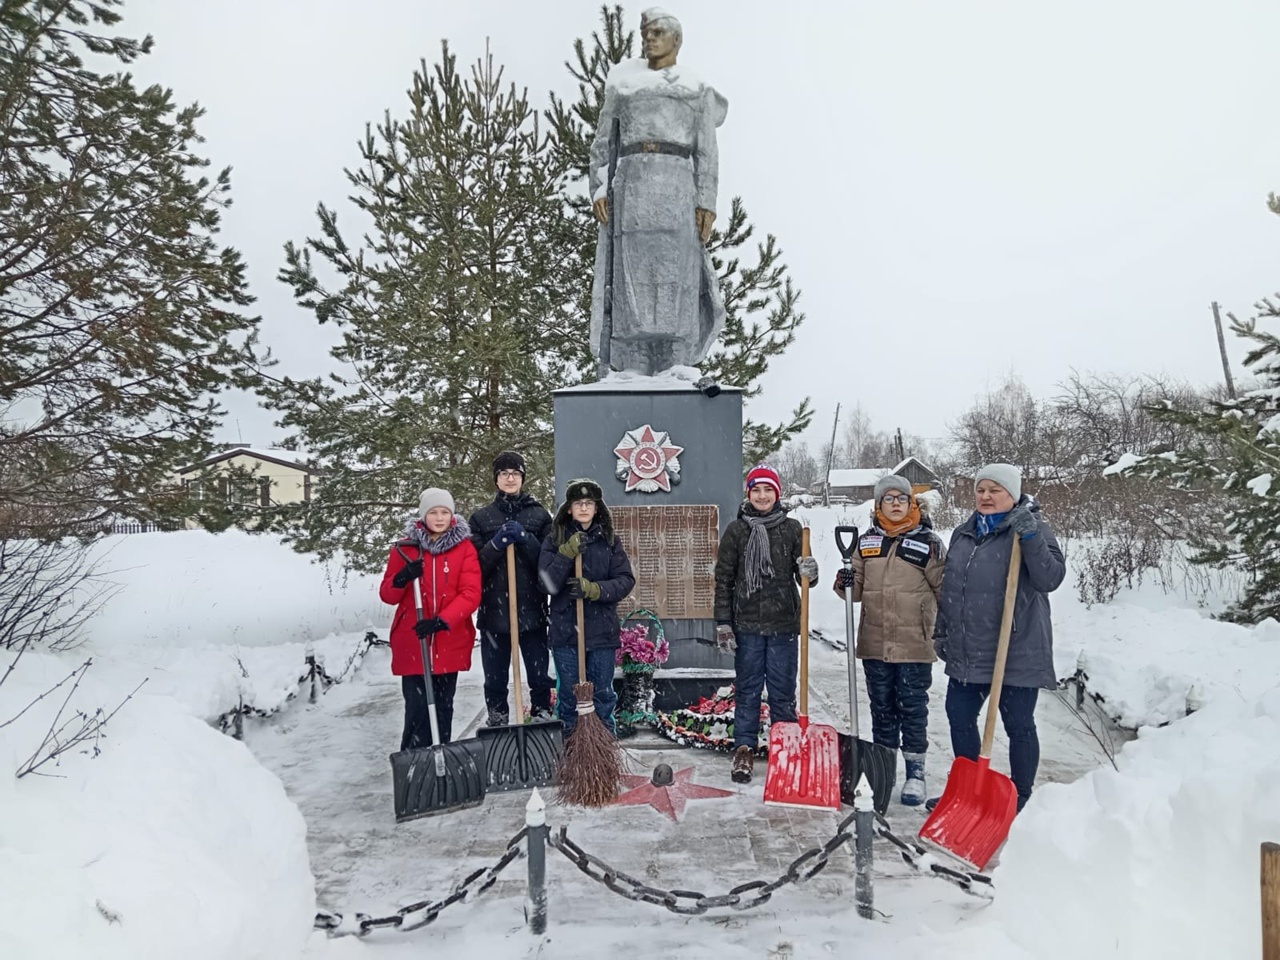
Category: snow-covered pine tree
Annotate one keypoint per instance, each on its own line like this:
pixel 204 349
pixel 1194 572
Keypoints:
pixel 1236 455
pixel 119 312
pixel 457 317
pixel 761 313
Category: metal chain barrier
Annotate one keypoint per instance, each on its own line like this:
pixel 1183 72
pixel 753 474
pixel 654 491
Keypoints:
pixel 918 858
pixel 353 662
pixel 423 912
pixel 233 720
pixel 745 896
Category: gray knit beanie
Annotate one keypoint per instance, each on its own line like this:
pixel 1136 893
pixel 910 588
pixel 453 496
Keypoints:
pixel 434 497
pixel 1005 474
pixel 892 482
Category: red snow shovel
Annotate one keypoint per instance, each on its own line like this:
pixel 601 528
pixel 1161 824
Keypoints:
pixel 977 807
pixel 804 758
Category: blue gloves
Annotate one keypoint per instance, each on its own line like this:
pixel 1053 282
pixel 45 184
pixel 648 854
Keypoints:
pixel 1023 522
pixel 508 534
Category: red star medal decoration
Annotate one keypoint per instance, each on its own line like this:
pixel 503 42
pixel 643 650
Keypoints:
pixel 669 799
pixel 647 460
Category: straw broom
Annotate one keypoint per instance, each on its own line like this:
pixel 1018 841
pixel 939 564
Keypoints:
pixel 592 763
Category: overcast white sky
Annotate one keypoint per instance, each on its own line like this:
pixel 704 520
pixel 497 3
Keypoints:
pixel 960 189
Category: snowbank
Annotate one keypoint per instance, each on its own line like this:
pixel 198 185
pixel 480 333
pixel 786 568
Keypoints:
pixel 173 842
pixel 194 589
pixel 199 611
pixel 1157 860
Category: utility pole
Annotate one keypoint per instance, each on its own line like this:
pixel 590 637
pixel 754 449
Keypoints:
pixel 1222 349
pixel 831 452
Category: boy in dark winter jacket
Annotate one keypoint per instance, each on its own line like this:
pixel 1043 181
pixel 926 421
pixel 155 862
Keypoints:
pixel 757 610
pixel 583 527
pixel 437 550
pixel 514 519
pixel 897 574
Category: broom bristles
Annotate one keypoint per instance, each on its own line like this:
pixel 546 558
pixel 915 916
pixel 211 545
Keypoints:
pixel 592 763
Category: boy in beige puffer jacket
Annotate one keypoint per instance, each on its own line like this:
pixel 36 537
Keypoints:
pixel 897 575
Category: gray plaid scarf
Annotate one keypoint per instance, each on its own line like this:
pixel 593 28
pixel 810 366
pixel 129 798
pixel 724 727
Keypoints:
pixel 759 567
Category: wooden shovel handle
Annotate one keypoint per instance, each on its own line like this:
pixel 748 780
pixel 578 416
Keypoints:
pixel 804 629
pixel 513 619
pixel 582 628
pixel 1002 647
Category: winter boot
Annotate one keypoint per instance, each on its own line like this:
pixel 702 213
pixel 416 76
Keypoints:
pixel 498 718
pixel 542 713
pixel 931 803
pixel 743 761
pixel 913 791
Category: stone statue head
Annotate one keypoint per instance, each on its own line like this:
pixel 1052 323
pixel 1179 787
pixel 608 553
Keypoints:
pixel 660 33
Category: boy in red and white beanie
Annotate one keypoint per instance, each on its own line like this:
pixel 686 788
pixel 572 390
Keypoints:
pixel 757 610
pixel 765 474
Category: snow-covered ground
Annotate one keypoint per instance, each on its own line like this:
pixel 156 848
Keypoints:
pixel 180 841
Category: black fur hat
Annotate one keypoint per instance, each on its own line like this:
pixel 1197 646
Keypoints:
pixel 507 460
pixel 584 489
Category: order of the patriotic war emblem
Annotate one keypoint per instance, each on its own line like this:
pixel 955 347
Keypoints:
pixel 647 460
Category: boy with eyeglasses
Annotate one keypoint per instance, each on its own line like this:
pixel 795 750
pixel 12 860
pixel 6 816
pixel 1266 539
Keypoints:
pixel 514 518
pixel 897 574
pixel 583 527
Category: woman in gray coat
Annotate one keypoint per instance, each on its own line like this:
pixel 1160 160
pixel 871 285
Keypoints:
pixel 969 613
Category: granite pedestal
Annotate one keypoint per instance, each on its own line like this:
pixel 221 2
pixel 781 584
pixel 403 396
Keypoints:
pixel 670 461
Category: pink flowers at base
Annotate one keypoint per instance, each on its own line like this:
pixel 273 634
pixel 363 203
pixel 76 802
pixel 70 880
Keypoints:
pixel 637 647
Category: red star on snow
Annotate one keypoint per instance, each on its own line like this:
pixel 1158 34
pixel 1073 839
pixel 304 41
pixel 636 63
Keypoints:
pixel 671 798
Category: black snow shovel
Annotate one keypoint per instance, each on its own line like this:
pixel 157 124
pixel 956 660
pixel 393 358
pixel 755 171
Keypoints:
pixel 520 755
pixel 443 776
pixel 878 763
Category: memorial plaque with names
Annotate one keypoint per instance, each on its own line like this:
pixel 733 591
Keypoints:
pixel 673 552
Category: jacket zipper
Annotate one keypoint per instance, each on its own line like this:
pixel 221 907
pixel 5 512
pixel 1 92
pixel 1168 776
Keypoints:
pixel 967 564
pixel 435 610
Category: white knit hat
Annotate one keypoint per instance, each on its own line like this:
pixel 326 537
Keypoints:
pixel 434 497
pixel 1005 474
pixel 892 482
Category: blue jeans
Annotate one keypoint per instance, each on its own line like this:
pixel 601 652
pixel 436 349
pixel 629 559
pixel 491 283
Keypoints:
pixel 763 660
pixel 1017 710
pixel 600 664
pixel 899 695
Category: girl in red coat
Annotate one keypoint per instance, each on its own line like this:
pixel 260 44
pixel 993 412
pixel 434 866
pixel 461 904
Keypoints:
pixel 436 549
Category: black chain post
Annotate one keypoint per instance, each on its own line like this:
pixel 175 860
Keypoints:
pixel 535 819
pixel 311 671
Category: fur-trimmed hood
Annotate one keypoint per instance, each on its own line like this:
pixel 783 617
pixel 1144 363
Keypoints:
pixel 583 489
pixel 416 534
